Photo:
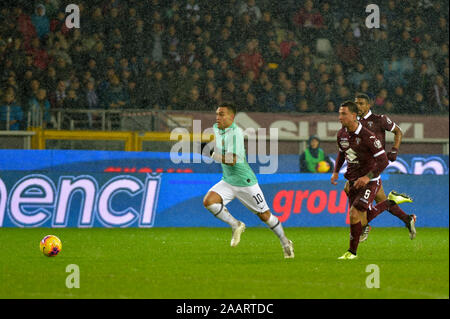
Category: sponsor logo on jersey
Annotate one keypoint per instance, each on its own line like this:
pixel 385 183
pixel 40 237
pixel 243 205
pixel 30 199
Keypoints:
pixel 344 143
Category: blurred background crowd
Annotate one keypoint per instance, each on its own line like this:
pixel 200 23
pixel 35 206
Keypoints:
pixel 264 55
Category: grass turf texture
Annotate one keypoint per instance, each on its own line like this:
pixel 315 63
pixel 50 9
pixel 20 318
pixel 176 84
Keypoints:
pixel 183 263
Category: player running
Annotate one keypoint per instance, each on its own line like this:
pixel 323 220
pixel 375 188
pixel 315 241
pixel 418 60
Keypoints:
pixel 366 159
pixel 239 181
pixel 379 124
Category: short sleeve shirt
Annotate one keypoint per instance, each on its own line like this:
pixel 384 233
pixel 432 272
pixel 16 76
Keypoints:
pixel 378 124
pixel 360 149
pixel 231 140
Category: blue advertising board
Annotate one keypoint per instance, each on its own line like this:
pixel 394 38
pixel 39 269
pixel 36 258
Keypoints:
pixel 161 162
pixel 74 199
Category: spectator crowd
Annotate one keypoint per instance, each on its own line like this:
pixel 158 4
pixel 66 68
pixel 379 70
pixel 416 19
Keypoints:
pixel 265 56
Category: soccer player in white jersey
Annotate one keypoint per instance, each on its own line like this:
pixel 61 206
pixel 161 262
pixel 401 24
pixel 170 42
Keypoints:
pixel 238 181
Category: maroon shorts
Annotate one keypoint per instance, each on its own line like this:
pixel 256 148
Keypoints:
pixel 362 198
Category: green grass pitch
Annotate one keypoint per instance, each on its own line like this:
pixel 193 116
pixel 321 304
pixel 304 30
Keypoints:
pixel 182 263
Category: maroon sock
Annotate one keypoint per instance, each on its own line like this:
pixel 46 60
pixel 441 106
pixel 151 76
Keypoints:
pixel 355 233
pixel 374 211
pixel 399 213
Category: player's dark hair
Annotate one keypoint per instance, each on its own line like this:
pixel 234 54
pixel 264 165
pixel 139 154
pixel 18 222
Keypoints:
pixel 230 106
pixel 352 106
pixel 364 96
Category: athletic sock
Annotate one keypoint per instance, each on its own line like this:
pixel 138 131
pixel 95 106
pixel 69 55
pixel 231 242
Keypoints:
pixel 376 210
pixel 355 233
pixel 275 225
pixel 221 212
pixel 399 213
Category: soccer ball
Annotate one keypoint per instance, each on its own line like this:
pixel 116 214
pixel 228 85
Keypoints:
pixel 322 167
pixel 50 245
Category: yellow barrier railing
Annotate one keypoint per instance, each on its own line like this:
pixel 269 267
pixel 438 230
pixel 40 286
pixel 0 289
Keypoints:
pixel 133 140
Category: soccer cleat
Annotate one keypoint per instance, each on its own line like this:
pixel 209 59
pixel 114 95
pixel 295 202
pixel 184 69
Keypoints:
pixel 398 198
pixel 411 225
pixel 289 250
pixel 365 233
pixel 347 255
pixel 236 237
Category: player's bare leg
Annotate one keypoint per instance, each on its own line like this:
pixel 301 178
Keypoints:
pixel 213 202
pixel 364 219
pixel 275 225
pixel 381 196
pixel 347 187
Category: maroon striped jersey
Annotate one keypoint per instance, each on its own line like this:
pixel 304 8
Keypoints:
pixel 363 152
pixel 378 124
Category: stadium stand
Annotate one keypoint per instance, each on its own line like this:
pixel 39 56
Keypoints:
pixel 192 54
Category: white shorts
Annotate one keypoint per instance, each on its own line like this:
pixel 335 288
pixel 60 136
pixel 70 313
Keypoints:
pixel 251 197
